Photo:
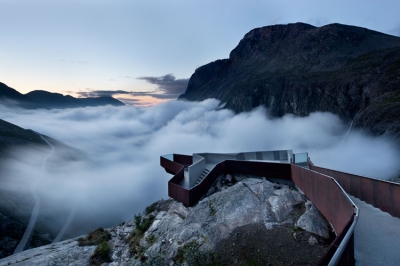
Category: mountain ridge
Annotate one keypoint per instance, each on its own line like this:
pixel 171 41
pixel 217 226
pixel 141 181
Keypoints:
pixel 49 100
pixel 299 69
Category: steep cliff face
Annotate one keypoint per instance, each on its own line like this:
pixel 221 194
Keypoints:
pixel 299 69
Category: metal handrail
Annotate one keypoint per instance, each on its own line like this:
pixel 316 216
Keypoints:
pixel 343 244
pixel 193 195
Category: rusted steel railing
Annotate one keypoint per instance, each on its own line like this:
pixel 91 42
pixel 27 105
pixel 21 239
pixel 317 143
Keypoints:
pixel 321 190
pixel 197 192
pixel 331 200
pixel 183 159
pixel 379 193
pixel 174 189
pixel 325 193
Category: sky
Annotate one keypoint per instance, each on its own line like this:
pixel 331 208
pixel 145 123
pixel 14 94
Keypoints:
pixel 144 52
pixel 120 171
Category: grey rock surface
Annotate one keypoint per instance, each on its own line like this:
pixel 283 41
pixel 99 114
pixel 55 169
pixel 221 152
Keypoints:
pixel 312 221
pixel 251 201
pixel 66 253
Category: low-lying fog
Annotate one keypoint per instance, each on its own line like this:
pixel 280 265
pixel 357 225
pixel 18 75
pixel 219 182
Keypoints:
pixel 121 173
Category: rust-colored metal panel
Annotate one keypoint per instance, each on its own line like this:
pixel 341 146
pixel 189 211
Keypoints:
pixel 197 192
pixel 383 200
pixel 174 190
pixel 347 257
pixel 355 186
pixel 274 170
pixel 170 166
pixel 178 177
pixel 183 159
pixel 325 195
pixel 178 193
pixel 379 193
pixel 395 199
pixel 322 190
pixel 367 191
pixel 331 201
pixel 345 182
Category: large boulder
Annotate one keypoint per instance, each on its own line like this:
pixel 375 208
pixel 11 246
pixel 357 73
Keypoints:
pixel 312 221
pixel 253 201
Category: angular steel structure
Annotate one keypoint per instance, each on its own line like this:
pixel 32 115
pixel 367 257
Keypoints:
pixel 323 190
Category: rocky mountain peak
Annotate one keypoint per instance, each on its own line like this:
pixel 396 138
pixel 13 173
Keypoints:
pixel 299 69
pixel 278 32
pixel 302 47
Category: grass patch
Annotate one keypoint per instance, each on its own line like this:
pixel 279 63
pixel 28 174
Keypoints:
pixel 191 254
pixel 151 208
pixel 95 237
pixel 142 224
pixel 212 209
pixel 151 239
pixel 297 229
pixel 155 259
pixel 101 254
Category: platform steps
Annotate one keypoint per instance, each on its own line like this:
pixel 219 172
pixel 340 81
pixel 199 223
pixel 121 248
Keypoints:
pixel 202 176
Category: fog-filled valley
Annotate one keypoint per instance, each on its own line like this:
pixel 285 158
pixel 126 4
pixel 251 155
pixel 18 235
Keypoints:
pixel 114 171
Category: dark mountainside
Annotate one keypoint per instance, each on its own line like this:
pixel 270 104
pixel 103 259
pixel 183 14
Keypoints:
pixel 12 135
pixel 16 204
pixel 49 100
pixel 298 69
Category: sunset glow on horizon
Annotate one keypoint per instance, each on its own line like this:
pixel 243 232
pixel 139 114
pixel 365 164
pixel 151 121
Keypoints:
pixel 74 47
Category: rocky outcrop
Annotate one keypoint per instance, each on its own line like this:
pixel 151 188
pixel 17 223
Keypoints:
pixel 63 253
pixel 299 69
pixel 176 229
pixel 312 221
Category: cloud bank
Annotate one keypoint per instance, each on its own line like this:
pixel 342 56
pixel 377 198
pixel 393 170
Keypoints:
pixel 167 87
pixel 120 174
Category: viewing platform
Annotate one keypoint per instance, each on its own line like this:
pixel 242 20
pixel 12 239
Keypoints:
pixel 327 189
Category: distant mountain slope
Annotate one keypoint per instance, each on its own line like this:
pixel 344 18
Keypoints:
pixel 10 96
pixel 12 135
pixel 49 100
pixel 16 202
pixel 298 69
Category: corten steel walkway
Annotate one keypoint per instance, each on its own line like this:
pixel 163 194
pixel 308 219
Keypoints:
pixel 377 233
pixel 376 238
pixel 325 193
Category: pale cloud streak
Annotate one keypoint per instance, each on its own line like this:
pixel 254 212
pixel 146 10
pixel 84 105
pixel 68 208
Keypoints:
pixel 167 87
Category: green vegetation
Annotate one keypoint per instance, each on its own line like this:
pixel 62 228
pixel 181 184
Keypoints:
pixel 151 239
pixel 297 229
pixel 212 209
pixel 155 259
pixel 95 237
pixel 205 238
pixel 142 224
pixel 101 254
pixel 191 254
pixel 151 208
